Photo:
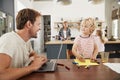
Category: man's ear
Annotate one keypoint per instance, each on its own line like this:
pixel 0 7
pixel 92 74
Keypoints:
pixel 28 24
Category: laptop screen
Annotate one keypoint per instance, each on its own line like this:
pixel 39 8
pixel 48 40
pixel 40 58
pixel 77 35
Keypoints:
pixel 59 52
pixel 50 66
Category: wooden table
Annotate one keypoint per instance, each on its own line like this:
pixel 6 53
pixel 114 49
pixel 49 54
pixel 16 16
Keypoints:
pixel 100 72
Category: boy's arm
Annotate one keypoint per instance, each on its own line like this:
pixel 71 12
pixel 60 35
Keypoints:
pixel 74 51
pixel 95 52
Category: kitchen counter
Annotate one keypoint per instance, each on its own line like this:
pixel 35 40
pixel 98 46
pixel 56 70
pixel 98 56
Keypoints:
pixel 71 42
pixel 60 42
pixel 52 47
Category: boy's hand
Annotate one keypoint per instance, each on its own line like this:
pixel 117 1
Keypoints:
pixel 81 58
pixel 93 58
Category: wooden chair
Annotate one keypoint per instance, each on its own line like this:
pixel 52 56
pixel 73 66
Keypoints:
pixel 69 53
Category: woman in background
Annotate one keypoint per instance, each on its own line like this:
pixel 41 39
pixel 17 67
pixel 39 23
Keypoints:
pixel 65 33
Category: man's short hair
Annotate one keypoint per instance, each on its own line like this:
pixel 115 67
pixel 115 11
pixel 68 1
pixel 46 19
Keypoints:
pixel 25 15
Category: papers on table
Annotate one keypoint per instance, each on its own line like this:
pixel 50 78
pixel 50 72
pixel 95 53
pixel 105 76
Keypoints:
pixel 87 62
pixel 114 66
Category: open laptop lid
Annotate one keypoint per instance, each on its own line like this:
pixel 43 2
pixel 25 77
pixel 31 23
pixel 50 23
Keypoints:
pixel 51 65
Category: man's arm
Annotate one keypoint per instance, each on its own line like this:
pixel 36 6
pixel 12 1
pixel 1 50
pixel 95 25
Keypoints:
pixel 33 53
pixel 8 73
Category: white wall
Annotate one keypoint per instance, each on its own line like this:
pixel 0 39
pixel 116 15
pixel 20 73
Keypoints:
pixel 73 12
pixel 21 4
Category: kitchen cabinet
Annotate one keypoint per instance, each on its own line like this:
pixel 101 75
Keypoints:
pixel 47 27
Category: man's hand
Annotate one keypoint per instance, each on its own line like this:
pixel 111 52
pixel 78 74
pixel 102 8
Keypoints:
pixel 38 62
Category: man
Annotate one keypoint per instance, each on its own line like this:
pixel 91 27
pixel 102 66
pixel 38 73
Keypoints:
pixel 15 47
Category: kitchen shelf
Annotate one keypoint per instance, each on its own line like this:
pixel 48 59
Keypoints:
pixel 58 25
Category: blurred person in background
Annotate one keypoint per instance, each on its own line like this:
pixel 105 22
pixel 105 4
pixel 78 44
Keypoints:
pixel 65 32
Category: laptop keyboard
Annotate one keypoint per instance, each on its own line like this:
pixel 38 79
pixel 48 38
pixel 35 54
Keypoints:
pixel 47 65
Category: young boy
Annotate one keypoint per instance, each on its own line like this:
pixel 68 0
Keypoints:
pixel 84 45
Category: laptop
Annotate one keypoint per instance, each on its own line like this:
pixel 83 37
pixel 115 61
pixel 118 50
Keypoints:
pixel 50 65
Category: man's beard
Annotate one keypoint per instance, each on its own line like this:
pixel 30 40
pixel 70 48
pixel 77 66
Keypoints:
pixel 33 36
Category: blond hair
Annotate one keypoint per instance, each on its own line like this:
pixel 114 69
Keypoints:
pixel 89 22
